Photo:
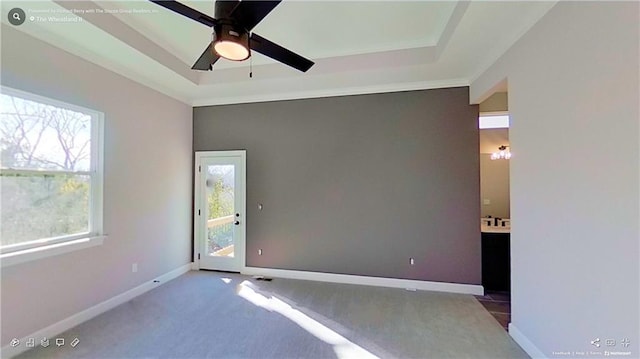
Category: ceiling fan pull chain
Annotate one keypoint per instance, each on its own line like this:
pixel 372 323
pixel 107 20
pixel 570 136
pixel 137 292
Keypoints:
pixel 250 57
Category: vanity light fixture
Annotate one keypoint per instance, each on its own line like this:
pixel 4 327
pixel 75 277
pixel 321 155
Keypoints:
pixel 502 154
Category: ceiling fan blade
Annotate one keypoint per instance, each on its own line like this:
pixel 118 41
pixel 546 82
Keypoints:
pixel 206 60
pixel 186 11
pixel 250 12
pixel 279 53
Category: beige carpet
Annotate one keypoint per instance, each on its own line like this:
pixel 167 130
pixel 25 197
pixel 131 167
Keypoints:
pixel 220 315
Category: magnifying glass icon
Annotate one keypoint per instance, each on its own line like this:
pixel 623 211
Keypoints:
pixel 16 16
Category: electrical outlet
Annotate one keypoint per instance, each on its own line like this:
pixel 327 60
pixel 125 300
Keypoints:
pixel 134 267
pixel 411 261
pixel 259 252
pixel 486 202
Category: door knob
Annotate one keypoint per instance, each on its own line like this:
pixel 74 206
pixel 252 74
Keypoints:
pixel 236 223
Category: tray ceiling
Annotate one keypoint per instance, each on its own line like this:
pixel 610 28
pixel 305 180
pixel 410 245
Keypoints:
pixel 358 46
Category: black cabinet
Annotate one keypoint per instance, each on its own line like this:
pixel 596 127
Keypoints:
pixel 496 261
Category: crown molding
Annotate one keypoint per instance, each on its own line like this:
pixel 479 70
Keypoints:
pixel 331 92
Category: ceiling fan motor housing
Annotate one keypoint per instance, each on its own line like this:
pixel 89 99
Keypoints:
pixel 223 9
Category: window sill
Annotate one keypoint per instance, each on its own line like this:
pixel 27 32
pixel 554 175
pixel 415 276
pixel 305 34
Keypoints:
pixel 27 255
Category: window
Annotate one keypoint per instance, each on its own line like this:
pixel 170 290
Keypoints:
pixel 493 121
pixel 50 172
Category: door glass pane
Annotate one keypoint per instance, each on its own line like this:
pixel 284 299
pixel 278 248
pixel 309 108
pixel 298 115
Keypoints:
pixel 220 210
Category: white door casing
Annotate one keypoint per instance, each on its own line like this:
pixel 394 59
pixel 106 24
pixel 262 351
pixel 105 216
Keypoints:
pixel 220 210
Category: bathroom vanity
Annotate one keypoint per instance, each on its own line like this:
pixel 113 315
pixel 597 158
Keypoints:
pixel 496 256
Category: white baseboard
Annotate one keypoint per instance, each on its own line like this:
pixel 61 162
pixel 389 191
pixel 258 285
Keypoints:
pixel 364 280
pixel 81 317
pixel 525 343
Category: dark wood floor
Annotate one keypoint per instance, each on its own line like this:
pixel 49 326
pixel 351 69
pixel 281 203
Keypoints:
pixel 499 305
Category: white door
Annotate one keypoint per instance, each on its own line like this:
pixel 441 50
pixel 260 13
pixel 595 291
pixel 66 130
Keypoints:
pixel 219 218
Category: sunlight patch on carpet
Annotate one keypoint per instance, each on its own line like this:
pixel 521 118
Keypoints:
pixel 341 345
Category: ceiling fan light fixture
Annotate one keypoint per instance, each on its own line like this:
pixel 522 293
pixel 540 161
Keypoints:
pixel 231 50
pixel 231 44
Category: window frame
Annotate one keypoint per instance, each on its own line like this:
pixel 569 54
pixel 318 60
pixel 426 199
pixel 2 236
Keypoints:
pixel 95 234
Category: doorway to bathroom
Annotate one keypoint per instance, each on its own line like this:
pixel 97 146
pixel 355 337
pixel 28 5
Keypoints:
pixel 495 158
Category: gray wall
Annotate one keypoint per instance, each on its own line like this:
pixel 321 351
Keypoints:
pixel 494 186
pixel 147 188
pixel 358 184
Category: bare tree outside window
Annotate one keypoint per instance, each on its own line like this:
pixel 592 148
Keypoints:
pixel 45 171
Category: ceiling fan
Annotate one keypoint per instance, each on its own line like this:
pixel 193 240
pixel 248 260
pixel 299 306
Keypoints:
pixel 232 36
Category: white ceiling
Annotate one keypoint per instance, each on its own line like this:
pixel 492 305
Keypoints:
pixel 358 46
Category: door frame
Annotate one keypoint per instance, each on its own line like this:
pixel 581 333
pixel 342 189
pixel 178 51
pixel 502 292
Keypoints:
pixel 198 205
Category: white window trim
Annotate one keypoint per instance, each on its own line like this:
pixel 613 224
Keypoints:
pixel 27 255
pixel 32 250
